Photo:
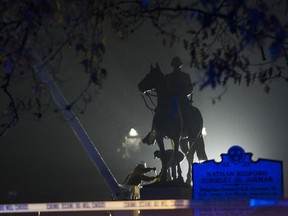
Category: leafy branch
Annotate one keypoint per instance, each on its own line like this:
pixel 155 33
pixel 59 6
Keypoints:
pixel 218 35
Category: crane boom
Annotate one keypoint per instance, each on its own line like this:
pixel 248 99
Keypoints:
pixel 78 129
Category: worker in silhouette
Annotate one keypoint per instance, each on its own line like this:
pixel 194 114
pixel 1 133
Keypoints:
pixel 138 175
pixel 171 165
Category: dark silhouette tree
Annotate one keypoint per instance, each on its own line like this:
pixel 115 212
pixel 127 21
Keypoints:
pixel 218 34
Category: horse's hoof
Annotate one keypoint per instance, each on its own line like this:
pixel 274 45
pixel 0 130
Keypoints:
pixel 180 179
pixel 163 178
pixel 188 183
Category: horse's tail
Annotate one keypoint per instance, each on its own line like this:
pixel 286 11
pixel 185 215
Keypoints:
pixel 196 122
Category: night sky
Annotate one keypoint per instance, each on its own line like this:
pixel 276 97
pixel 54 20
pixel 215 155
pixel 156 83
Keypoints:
pixel 42 161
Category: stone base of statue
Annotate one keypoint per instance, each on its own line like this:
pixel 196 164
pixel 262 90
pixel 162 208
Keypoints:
pixel 166 190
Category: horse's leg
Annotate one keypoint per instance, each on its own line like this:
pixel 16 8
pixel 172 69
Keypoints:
pixel 185 149
pixel 173 169
pixel 190 159
pixel 173 164
pixel 159 140
pixel 169 174
pixel 184 146
pixel 200 149
pixel 177 162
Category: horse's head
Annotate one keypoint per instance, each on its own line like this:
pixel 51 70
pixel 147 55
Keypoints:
pixel 152 80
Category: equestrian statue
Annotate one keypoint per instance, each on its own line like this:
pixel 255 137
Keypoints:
pixel 174 117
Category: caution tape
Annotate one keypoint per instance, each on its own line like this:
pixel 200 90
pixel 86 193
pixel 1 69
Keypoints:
pixel 95 206
pixel 140 205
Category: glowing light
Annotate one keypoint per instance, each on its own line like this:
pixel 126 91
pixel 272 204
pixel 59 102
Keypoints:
pixel 133 133
pixel 204 132
pixel 131 143
pixel 262 202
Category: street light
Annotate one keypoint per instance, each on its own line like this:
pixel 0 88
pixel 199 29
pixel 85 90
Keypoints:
pixel 131 142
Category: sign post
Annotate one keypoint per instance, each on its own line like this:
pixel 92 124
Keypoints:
pixel 237 176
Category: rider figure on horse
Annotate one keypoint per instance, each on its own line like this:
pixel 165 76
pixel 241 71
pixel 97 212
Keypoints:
pixel 179 86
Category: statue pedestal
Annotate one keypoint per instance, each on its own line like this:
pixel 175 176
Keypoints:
pixel 167 190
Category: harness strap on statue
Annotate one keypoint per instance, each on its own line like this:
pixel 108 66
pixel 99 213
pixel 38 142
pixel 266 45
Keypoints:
pixel 175 107
pixel 177 112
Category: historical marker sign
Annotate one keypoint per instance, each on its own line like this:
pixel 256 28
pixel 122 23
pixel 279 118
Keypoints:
pixel 237 176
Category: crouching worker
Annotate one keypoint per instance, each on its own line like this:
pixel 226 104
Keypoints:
pixel 138 175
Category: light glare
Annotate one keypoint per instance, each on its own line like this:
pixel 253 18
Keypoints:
pixel 133 133
pixel 204 132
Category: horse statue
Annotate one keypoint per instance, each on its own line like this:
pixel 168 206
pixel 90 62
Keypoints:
pixel 184 132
